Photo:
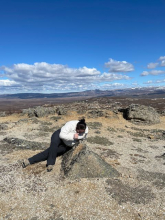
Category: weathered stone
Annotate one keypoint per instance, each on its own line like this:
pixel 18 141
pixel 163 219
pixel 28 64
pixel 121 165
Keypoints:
pixel 61 111
pixel 2 114
pixel 95 113
pixel 3 127
pixel 23 144
pixel 163 113
pixel 44 111
pixel 39 111
pixel 151 137
pixel 81 162
pixel 29 112
pixel 142 113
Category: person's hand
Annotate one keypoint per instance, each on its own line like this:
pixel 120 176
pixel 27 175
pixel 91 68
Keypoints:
pixel 76 136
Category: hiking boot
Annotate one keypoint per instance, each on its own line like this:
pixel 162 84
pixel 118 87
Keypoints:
pixel 50 168
pixel 25 163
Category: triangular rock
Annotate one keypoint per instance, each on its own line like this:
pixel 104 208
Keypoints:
pixel 80 162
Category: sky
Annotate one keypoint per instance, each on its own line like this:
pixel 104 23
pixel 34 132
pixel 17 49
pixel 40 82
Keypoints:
pixel 51 46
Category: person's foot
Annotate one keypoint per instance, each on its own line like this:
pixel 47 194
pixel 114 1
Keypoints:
pixel 50 168
pixel 25 163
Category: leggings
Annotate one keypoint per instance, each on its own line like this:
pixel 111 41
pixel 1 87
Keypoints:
pixel 57 148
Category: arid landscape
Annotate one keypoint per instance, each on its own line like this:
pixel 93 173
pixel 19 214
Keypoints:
pixel 136 149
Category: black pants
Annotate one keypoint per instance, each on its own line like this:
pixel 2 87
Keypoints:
pixel 57 148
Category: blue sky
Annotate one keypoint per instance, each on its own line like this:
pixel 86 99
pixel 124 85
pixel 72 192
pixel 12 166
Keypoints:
pixel 73 45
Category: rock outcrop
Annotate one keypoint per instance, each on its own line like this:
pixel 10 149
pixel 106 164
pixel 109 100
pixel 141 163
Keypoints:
pixel 96 113
pixel 3 127
pixel 2 114
pixel 39 111
pixel 80 162
pixel 142 113
pixel 61 111
pixel 24 145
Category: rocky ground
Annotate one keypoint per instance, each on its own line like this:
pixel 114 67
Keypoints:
pixel 136 151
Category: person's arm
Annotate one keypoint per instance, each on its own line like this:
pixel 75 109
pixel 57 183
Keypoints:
pixel 67 132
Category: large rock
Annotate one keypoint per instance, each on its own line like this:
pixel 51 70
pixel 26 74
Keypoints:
pixel 39 111
pixel 142 113
pixel 2 114
pixel 61 111
pixel 81 162
pixel 3 127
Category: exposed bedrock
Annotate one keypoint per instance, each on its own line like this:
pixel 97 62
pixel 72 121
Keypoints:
pixel 80 162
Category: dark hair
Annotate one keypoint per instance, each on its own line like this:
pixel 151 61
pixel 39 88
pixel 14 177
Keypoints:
pixel 81 124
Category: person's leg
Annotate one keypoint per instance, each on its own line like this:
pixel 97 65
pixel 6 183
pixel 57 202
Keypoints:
pixel 54 147
pixel 50 152
pixel 42 156
pixel 62 149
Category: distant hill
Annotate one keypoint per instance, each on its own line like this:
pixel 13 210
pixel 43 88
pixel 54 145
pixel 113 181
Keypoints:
pixel 154 92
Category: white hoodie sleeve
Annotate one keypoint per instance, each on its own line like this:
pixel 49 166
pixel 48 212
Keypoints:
pixel 68 131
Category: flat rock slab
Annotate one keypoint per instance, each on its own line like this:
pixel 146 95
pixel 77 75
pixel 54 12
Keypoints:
pixel 23 144
pixel 81 162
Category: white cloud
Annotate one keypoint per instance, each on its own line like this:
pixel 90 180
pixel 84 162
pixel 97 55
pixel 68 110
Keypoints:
pixel 162 58
pixel 119 66
pixel 144 73
pixel 8 82
pixel 152 72
pixel 55 77
pixel 162 63
pixel 152 65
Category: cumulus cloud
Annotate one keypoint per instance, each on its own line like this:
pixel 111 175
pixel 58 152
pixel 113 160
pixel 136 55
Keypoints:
pixel 152 65
pixel 162 63
pixel 55 77
pixel 162 58
pixel 152 72
pixel 8 82
pixel 119 66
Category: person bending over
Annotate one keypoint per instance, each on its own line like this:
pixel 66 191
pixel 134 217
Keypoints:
pixel 62 140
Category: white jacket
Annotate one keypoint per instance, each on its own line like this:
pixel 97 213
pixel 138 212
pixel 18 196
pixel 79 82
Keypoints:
pixel 68 131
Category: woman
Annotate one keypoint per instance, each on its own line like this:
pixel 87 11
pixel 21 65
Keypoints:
pixel 62 140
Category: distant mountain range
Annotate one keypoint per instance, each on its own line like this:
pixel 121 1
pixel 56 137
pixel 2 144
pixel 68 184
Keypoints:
pixel 154 92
